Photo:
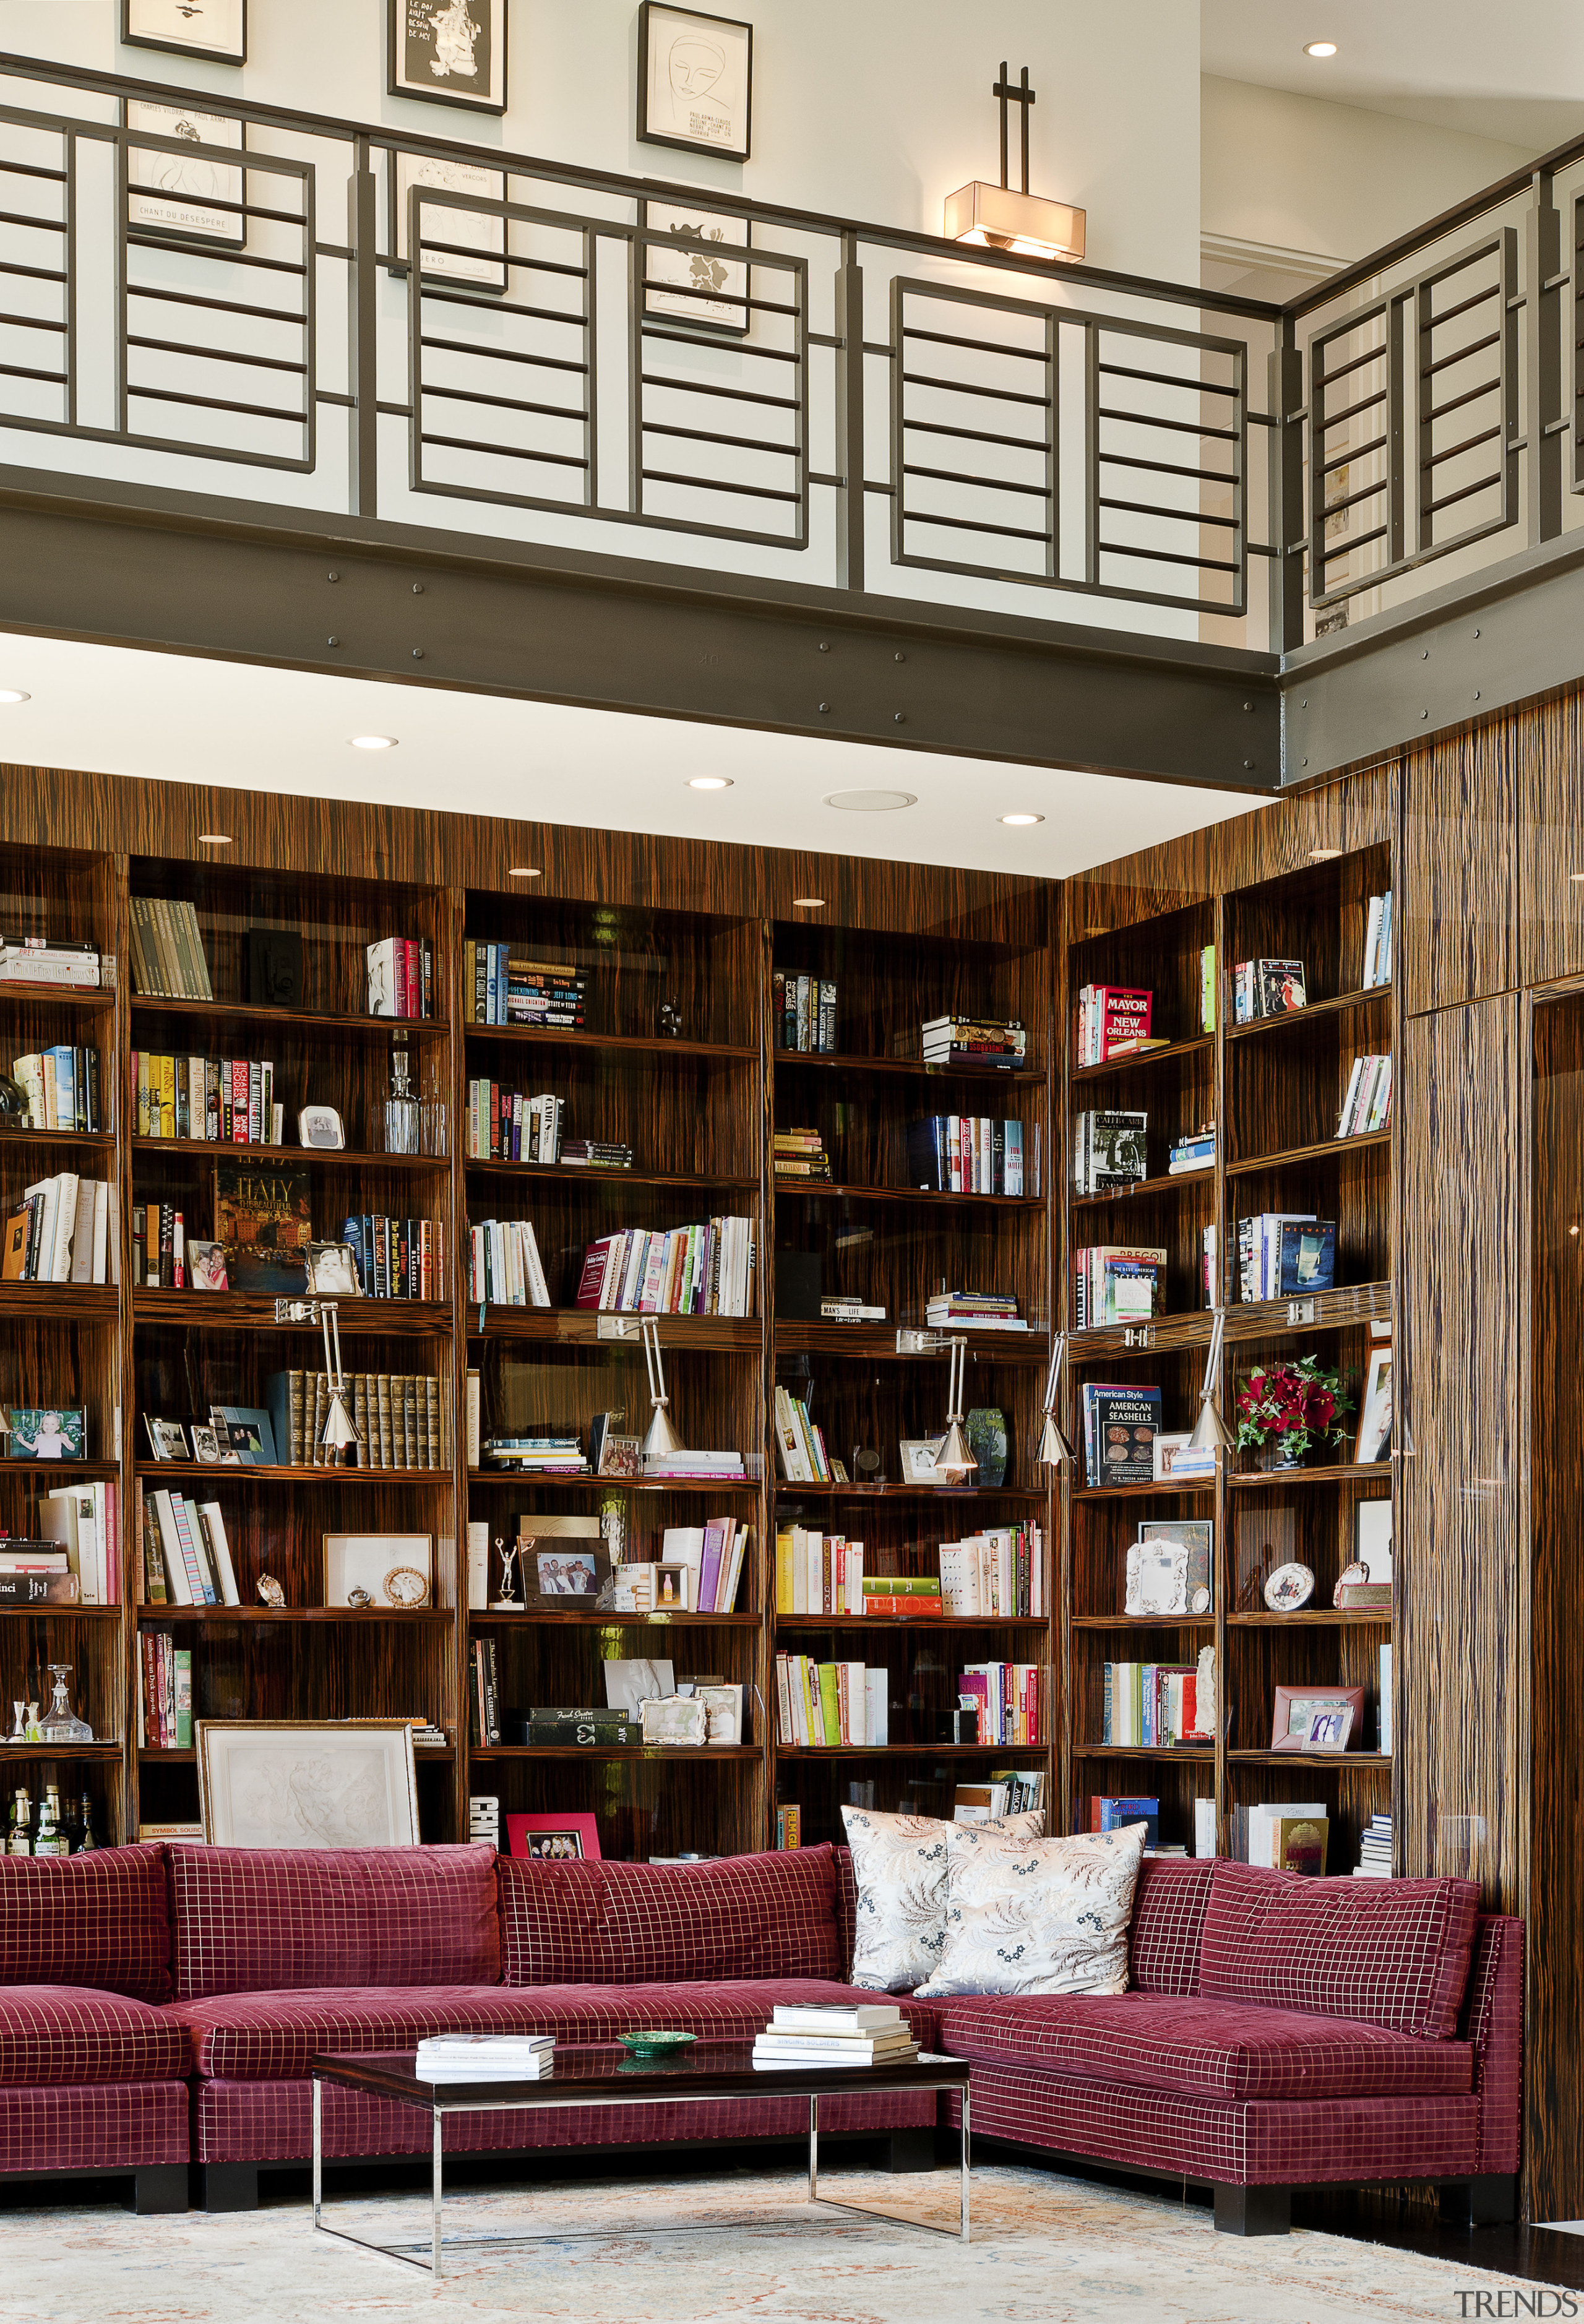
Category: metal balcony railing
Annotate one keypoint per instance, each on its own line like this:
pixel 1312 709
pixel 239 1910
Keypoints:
pixel 627 361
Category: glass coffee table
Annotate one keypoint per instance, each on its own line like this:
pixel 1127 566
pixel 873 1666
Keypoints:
pixel 602 2073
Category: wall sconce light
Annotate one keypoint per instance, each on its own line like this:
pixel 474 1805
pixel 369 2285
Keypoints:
pixel 1005 217
pixel 340 1428
pixel 662 1437
pixel 1210 1430
pixel 1054 1447
pixel 955 1459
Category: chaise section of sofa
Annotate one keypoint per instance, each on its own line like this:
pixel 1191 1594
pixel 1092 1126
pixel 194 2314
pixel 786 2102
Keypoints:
pixel 93 2066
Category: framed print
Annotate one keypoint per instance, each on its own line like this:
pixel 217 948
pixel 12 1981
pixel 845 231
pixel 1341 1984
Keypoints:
pixel 554 1838
pixel 566 1574
pixel 284 1782
pixel 695 81
pixel 216 29
pixel 478 257
pixel 333 1271
pixel 1164 1454
pixel 167 1438
pixel 1316 1718
pixel 918 1460
pixel 180 197
pixel 389 1569
pixel 684 281
pixel 673 1586
pixel 206 1267
pixel 1375 1410
pixel 447 52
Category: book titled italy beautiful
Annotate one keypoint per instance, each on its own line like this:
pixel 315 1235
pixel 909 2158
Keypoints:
pixel 262 1220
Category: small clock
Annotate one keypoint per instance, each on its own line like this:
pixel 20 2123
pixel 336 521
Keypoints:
pixel 405 1586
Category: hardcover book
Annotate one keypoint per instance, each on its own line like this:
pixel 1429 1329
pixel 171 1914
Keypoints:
pixel 1120 1423
pixel 261 1218
pixel 1307 1258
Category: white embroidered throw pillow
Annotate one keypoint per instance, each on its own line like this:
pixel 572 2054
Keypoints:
pixel 900 1867
pixel 1042 1916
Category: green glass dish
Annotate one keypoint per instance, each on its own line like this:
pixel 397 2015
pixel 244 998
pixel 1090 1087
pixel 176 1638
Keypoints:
pixel 654 2042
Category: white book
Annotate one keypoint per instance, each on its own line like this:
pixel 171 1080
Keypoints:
pixel 538 1288
pixel 225 1572
pixel 81 1266
pixel 876 1709
pixel 1372 945
pixel 959 1579
pixel 101 1232
pixel 1345 1115
pixel 478 1564
pixel 857 1704
pixel 819 2017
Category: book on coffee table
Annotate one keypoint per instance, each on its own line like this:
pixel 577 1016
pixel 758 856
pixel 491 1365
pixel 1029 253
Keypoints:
pixel 808 2035
pixel 484 2058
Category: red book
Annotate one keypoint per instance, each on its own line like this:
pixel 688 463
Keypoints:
pixel 239 1101
pixel 594 1260
pixel 1124 1016
pixel 414 977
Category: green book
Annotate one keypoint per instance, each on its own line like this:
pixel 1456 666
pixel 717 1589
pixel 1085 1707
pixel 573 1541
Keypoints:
pixel 183 1693
pixel 830 1698
pixel 901 1585
pixel 1207 989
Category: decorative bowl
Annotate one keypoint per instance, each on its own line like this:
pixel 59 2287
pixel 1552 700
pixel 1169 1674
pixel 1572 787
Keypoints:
pixel 653 2041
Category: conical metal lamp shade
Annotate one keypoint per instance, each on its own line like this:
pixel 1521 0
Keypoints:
pixel 340 1429
pixel 955 1459
pixel 1054 1447
pixel 1210 1429
pixel 662 1437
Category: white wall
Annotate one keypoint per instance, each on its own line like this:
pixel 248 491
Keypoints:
pixel 1296 173
pixel 873 109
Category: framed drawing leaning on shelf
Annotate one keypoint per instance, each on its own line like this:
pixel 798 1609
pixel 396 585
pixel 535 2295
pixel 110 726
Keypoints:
pixel 285 1782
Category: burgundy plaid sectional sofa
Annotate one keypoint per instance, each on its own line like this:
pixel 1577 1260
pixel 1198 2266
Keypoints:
pixel 159 2007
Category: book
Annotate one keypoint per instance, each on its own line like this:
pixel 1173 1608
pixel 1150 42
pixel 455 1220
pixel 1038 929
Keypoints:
pixel 1266 988
pixel 263 1222
pixel 857 2018
pixel 1109 1151
pixel 1120 1423
pixel 1109 1015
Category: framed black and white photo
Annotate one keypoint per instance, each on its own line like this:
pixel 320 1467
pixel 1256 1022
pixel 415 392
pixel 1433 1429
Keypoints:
pixel 461 234
pixel 447 52
pixel 185 196
pixel 710 292
pixel 216 29
pixel 695 81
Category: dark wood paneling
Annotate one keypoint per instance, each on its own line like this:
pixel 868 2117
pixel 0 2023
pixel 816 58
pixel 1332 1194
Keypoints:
pixel 1551 842
pixel 1462 1559
pixel 1457 914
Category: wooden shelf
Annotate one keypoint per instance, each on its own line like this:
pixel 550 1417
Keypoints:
pixel 100 1751
pixel 1341 1005
pixel 61 1303
pixel 1337 1618
pixel 187 1149
pixel 909 1622
pixel 640 1047
pixel 1145 1061
pixel 908 1068
pixel 951 1496
pixel 1144 1621
pixel 574 1173
pixel 1372 1761
pixel 290 1020
pixel 93 1141
pixel 908 1750
pixel 685 1755
pixel 187 1757
pixel 442 1616
pixel 1165 1182
pixel 488 1616
pixel 1340 1472
pixel 518 1478
pixel 1196 1755
pixel 1323 1149
pixel 75 1472
pixel 63 996
pixel 234 1311
pixel 575 1327
pixel 877 1343
pixel 1132 1492
pixel 798 1187
pixel 77 1613
pixel 231 1473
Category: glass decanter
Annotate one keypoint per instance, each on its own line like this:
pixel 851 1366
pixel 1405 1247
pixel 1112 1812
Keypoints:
pixel 59 1723
pixel 401 1107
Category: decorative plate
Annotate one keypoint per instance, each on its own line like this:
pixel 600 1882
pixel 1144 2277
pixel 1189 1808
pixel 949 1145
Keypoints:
pixel 654 2042
pixel 404 1585
pixel 1289 1587
pixel 1349 1573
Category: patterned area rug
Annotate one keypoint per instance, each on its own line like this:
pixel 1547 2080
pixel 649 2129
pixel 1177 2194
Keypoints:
pixel 1046 2247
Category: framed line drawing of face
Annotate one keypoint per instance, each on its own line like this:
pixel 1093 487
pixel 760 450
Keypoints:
pixel 695 81
pixel 460 245
pixel 684 281
pixel 216 29
pixel 448 53
pixel 185 196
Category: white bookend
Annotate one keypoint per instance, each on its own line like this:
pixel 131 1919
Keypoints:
pixel 857 1704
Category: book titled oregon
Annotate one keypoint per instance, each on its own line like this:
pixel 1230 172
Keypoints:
pixel 262 1220
pixel 1121 1424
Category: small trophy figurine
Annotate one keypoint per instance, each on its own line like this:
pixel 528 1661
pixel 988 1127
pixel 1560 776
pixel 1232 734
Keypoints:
pixel 507 1601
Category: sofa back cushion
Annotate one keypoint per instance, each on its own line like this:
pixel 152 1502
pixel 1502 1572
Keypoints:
pixel 742 1916
pixel 1393 1952
pixel 260 1920
pixel 1168 1921
pixel 100 1921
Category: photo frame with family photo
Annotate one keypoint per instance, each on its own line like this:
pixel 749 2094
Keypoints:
pixel 548 1839
pixel 562 1575
pixel 1316 1718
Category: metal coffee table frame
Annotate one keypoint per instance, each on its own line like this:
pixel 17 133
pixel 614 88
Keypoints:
pixel 687 2083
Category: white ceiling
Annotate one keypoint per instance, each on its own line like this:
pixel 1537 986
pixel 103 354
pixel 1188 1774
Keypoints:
pixel 184 719
pixel 1513 72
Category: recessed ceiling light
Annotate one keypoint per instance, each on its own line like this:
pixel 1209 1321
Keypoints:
pixel 521 871
pixel 1320 48
pixel 808 903
pixel 374 742
pixel 871 802
pixel 12 694
pixel 214 839
pixel 1323 855
pixel 709 782
pixel 1023 818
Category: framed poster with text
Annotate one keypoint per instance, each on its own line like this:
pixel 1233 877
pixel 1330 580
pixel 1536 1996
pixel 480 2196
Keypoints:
pixel 695 81
pixel 447 52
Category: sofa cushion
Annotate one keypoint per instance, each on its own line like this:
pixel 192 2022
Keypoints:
pixel 93 2126
pixel 1038 1916
pixel 1193 2048
pixel 59 2033
pixel 1394 1952
pixel 1168 1921
pixel 743 1916
pixel 902 1868
pixel 250 1920
pixel 270 2036
pixel 100 1920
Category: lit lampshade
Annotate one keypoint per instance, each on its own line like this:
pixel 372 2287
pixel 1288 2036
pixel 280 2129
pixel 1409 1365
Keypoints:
pixel 1009 218
pixel 662 1437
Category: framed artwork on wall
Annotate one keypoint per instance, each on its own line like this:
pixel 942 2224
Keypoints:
pixel 216 29
pixel 695 81
pixel 684 281
pixel 180 196
pixel 471 246
pixel 448 53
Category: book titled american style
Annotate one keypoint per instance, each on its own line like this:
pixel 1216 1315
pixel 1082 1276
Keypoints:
pixel 1120 1424
pixel 262 1220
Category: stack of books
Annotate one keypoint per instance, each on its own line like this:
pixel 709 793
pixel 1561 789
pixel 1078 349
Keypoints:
pixel 818 1572
pixel 1113 1021
pixel 1374 1850
pixel 187 1557
pixel 1369 1103
pixel 1120 1423
pixel 800 1155
pixel 967 1154
pixel 837 1310
pixel 401 977
pixel 1109 1152
pixel 1195 1150
pixel 706 1270
pixel 593 1153
pixel 819 1705
pixel 507 1125
pixel 544 1727
pixel 1148 1706
pixel 962 1043
pixel 37 1574
pixel 1010 1698
pixel 804 2033
pixel 1266 988
pixel 81 1524
pixel 800 1446
pixel 165 1685
pixel 65 1231
pixel 397 1258
pixel 485 2058
pixel 167 950
pixel 1008 1792
pixel 221 1100
pixel 501 985
pixel 1286 1255
pixel 997 1574
pixel 61 1086
pixel 1377 943
pixel 977 1310
pixel 46 960
pixel 554 1456
pixel 804 1012
pixel 504 1264
pixel 904 1598
pixel 1117 1283
pixel 690 1465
